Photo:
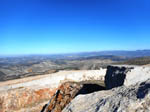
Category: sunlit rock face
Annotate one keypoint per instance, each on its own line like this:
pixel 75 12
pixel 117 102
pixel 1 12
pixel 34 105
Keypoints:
pixel 32 93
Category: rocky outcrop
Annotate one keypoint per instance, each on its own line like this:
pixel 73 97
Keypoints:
pixel 128 90
pixel 30 94
pixel 134 98
pixel 125 75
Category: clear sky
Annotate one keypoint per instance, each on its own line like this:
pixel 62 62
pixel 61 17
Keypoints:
pixel 61 26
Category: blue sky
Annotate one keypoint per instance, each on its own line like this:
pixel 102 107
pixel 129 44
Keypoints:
pixel 62 26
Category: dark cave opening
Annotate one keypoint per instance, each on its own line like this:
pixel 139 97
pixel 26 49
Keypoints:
pixel 90 88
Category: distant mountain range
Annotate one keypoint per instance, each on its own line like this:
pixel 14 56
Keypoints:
pixel 137 53
pixel 122 53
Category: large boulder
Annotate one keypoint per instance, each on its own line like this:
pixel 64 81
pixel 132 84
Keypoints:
pixel 134 98
pixel 125 75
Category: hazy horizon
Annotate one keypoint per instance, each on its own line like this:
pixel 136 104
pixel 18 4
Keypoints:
pixel 71 26
pixel 65 53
